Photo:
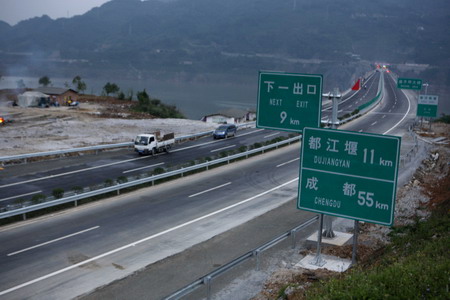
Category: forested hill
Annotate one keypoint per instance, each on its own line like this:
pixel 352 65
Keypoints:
pixel 236 35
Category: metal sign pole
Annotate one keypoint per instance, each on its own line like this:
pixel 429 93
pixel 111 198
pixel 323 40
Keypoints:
pixel 355 242
pixel 328 232
pixel 318 260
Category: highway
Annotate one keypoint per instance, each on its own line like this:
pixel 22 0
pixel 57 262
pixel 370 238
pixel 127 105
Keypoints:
pixel 73 252
pixel 22 182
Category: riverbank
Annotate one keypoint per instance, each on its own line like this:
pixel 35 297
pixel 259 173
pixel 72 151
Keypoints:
pixel 31 130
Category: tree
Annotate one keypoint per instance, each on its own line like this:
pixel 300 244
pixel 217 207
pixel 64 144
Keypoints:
pixel 143 98
pixel 80 85
pixel 111 88
pixel 44 81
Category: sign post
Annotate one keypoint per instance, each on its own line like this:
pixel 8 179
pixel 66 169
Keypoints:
pixel 289 101
pixel 349 174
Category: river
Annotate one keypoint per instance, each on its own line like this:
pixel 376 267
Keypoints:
pixel 194 100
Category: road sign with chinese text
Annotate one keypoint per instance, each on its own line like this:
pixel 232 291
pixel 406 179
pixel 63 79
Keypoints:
pixel 427 106
pixel 349 174
pixel 289 101
pixel 409 83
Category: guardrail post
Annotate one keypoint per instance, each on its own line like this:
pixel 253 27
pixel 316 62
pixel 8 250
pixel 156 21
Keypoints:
pixel 294 242
pixel 256 253
pixel 24 217
pixel 207 282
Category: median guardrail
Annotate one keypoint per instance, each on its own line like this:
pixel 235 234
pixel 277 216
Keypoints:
pixel 116 188
pixel 179 139
pixel 366 107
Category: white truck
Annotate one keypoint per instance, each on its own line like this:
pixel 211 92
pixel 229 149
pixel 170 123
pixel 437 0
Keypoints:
pixel 152 143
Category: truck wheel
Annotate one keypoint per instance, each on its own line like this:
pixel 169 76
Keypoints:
pixel 153 151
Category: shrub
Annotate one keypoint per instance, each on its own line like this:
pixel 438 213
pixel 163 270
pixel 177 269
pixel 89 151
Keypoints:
pixel 158 171
pixel 122 179
pixel 38 198
pixel 58 193
pixel 444 119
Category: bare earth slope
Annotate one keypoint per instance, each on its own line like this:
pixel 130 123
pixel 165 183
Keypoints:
pixel 32 130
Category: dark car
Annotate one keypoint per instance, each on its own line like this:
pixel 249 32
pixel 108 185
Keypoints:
pixel 224 131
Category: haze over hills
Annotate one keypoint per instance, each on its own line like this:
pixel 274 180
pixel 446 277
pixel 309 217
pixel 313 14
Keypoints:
pixel 237 37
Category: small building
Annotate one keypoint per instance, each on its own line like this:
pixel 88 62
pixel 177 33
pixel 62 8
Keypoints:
pixel 229 116
pixel 251 116
pixel 33 98
pixel 62 96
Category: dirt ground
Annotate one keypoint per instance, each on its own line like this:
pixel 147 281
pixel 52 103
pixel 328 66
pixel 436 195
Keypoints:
pixel 428 187
pixel 96 120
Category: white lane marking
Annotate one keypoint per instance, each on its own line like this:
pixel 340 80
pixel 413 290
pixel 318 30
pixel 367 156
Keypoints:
pixel 211 189
pixel 340 110
pixel 407 112
pixel 288 162
pixel 220 149
pixel 23 195
pixel 52 241
pixel 72 172
pixel 360 130
pixel 12 289
pixel 106 165
pixel 137 169
pixel 373 123
pixel 271 135
pixel 207 143
pixel 384 116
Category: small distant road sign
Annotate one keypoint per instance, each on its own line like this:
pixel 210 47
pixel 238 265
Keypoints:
pixel 427 106
pixel 409 83
pixel 289 101
pixel 349 174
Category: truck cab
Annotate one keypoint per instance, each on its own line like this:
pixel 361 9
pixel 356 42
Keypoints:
pixel 147 143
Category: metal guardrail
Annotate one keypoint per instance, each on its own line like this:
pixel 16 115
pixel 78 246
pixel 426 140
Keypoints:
pixel 207 279
pixel 364 108
pixel 24 210
pixel 102 147
pixel 61 152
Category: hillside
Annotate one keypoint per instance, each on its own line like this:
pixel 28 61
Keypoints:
pixel 233 36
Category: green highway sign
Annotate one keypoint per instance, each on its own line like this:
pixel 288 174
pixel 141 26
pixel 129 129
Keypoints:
pixel 349 174
pixel 288 101
pixel 427 106
pixel 409 83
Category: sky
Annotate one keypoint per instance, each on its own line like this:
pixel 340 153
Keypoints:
pixel 14 11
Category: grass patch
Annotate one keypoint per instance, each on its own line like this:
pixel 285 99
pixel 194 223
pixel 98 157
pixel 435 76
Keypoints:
pixel 416 265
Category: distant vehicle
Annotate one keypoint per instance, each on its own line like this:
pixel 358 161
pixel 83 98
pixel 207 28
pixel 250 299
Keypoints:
pixel 2 121
pixel 148 143
pixel 224 131
pixel 71 103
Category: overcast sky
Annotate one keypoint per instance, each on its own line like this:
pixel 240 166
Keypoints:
pixel 13 11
